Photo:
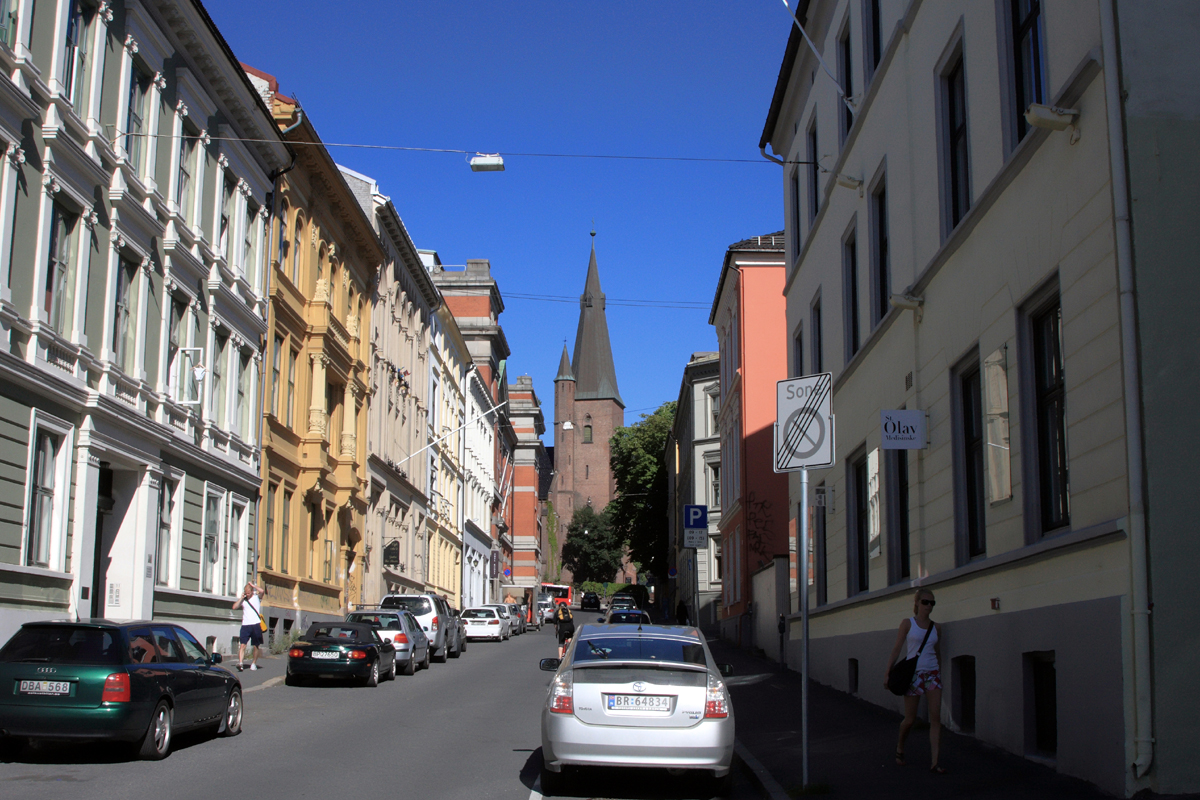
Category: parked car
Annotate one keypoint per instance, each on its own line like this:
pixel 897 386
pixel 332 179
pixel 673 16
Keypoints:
pixel 625 616
pixel 622 601
pixel 403 631
pixel 649 697
pixel 545 611
pixel 462 632
pixel 333 650
pixel 518 619
pixel 485 622
pixel 506 615
pixel 589 602
pixel 97 679
pixel 433 612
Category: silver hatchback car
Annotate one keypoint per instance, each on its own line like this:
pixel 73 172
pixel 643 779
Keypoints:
pixel 650 696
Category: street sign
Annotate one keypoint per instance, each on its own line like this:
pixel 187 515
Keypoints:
pixel 903 429
pixel 391 554
pixel 507 572
pixel 804 422
pixel 672 572
pixel 695 526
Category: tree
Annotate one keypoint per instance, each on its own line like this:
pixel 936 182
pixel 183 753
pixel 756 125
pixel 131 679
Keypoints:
pixel 639 510
pixel 593 549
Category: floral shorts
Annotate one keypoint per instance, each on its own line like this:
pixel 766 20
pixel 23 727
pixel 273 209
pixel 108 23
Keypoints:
pixel 924 681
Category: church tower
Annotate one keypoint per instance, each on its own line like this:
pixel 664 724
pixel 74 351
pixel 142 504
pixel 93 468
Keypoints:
pixel 587 409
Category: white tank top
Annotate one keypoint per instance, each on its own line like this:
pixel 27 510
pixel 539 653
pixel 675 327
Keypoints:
pixel 251 608
pixel 916 634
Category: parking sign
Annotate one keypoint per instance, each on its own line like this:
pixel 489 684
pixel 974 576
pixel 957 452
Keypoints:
pixel 695 526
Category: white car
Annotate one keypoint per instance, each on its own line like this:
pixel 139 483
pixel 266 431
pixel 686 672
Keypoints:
pixel 506 616
pixel 485 622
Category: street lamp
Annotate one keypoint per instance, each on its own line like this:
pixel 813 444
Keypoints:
pixel 483 162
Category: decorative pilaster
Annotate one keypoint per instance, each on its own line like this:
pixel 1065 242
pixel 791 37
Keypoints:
pixel 317 413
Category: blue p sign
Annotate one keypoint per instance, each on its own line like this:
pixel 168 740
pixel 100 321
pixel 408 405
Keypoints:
pixel 695 517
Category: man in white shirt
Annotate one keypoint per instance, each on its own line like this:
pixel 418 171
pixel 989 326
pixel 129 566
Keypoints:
pixel 252 630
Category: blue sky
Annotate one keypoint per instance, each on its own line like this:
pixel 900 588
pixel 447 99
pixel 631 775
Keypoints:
pixel 644 78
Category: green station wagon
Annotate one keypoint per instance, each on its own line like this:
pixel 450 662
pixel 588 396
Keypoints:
pixel 136 682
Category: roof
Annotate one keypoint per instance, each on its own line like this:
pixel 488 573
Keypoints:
pixel 785 74
pixel 592 364
pixel 564 367
pixel 767 243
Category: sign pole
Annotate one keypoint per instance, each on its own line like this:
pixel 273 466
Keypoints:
pixel 803 583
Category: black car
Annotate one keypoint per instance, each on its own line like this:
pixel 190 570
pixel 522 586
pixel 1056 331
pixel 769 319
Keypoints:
pixel 341 650
pixel 590 600
pixel 136 682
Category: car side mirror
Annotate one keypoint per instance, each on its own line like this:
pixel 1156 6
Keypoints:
pixel 726 670
pixel 214 658
pixel 549 664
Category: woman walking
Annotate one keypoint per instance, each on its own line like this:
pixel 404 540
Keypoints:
pixel 920 638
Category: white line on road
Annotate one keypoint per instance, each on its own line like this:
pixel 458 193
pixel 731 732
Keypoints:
pixel 769 784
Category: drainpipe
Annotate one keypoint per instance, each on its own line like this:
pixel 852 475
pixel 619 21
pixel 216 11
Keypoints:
pixel 768 157
pixel 1142 680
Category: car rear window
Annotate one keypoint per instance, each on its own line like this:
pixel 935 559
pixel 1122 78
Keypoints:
pixel 621 617
pixel 479 613
pixel 62 644
pixel 334 632
pixel 416 605
pixel 389 622
pixel 638 648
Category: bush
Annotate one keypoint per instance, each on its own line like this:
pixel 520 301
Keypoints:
pixel 281 644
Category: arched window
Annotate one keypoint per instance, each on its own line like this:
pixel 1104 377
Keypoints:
pixel 282 256
pixel 296 248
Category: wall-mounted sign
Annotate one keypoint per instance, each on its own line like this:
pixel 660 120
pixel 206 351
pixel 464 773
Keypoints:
pixel 903 429
pixel 391 554
pixel 495 564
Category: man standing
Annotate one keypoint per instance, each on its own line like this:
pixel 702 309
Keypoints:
pixel 252 623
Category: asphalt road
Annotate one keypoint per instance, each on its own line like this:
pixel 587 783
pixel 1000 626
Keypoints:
pixel 468 728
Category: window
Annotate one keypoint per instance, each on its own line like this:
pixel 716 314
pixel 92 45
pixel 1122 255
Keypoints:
pixel 1051 413
pixel 958 191
pixel 235 567
pixel 714 485
pixel 139 86
pixel 796 213
pixel 291 388
pixel 846 81
pixel 166 520
pixel 898 511
pixel 814 200
pixel 184 191
pixel 282 256
pixel 874 36
pixel 296 249
pixel 434 406
pixel 213 532
pixel 798 351
pixel 857 527
pixel 970 470
pixel 276 355
pixel 850 292
pixel 218 380
pixel 714 414
pixel 77 69
pixel 587 434
pixel 328 572
pixel 174 343
pixel 880 282
pixel 60 272
pixel 43 523
pixel 8 22
pixel 818 356
pixel 250 247
pixel 243 396
pixel 1027 74
pixel 224 234
pixel 285 532
pixel 125 319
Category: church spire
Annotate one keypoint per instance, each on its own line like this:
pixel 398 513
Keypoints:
pixel 564 367
pixel 595 373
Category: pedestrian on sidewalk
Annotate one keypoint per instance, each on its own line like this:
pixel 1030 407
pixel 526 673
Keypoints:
pixel 253 624
pixel 681 613
pixel 564 626
pixel 920 637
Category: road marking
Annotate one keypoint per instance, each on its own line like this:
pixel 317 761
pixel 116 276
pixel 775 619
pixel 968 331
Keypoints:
pixel 265 685
pixel 769 785
pixel 535 793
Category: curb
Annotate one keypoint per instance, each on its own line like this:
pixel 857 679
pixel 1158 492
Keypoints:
pixel 267 684
pixel 758 774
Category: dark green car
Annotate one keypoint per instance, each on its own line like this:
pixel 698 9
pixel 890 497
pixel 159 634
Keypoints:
pixel 136 682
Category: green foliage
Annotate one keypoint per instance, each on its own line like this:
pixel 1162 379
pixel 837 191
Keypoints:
pixel 594 586
pixel 553 567
pixel 639 511
pixel 596 554
pixel 282 643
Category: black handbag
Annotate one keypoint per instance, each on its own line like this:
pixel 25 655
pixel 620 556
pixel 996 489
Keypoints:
pixel 901 674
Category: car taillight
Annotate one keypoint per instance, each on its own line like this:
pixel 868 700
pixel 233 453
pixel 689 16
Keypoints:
pixel 296 652
pixel 116 688
pixel 562 694
pixel 434 624
pixel 401 638
pixel 357 655
pixel 494 622
pixel 716 700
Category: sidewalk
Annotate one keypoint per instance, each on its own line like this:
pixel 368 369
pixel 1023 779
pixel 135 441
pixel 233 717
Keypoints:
pixel 269 667
pixel 852 742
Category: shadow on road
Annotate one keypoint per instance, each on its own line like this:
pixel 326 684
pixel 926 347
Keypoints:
pixel 624 783
pixel 51 752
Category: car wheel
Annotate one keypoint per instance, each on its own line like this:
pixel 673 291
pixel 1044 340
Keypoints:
pixel 425 663
pixel 391 674
pixel 552 782
pixel 456 652
pixel 411 667
pixel 156 743
pixel 231 723
pixel 293 680
pixel 11 747
pixel 442 656
pixel 372 679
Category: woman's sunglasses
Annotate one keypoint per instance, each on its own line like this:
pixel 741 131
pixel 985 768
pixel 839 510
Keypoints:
pixel 930 603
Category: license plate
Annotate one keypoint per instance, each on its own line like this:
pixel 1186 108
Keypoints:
pixel 53 688
pixel 326 654
pixel 639 702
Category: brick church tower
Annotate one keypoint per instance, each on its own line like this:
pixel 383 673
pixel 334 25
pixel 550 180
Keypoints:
pixel 587 409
